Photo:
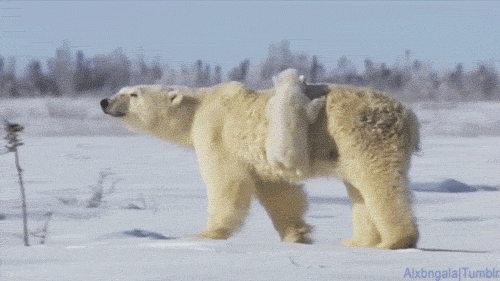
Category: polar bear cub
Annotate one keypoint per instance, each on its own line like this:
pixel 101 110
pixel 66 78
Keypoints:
pixel 290 112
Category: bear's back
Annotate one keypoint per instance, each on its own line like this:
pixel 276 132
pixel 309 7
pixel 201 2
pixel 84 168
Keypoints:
pixel 242 125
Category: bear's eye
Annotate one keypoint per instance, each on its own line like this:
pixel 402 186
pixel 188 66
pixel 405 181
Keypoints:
pixel 134 95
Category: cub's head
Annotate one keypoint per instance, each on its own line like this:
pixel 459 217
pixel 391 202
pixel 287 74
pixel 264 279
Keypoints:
pixel 288 78
pixel 155 109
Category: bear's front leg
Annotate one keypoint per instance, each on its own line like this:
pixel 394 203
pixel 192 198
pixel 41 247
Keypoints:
pixel 229 191
pixel 313 108
pixel 286 204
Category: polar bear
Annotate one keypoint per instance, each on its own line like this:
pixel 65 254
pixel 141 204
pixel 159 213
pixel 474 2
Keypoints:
pixel 289 113
pixel 361 136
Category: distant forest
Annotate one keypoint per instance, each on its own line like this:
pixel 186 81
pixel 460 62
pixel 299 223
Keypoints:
pixel 74 74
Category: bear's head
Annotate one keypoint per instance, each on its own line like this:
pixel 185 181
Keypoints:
pixel 139 101
pixel 162 111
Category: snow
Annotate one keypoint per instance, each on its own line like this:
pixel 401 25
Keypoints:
pixel 143 228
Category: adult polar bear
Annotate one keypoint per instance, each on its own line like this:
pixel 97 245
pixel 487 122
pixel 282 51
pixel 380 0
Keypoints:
pixel 361 136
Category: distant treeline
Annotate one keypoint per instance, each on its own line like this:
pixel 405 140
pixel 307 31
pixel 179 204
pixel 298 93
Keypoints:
pixel 69 74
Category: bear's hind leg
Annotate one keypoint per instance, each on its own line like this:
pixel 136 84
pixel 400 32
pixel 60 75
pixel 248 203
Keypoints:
pixel 388 204
pixel 365 234
pixel 286 204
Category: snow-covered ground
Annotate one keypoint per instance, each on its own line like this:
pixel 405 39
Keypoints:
pixel 154 199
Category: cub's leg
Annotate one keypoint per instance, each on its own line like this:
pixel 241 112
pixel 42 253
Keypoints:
pixel 286 204
pixel 365 233
pixel 313 108
pixel 229 190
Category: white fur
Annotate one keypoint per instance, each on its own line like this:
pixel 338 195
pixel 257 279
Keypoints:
pixel 290 112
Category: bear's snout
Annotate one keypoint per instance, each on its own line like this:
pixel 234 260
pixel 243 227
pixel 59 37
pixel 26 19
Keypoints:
pixel 104 105
pixel 113 108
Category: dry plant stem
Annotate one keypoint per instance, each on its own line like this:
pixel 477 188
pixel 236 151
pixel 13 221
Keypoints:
pixel 23 198
pixel 12 132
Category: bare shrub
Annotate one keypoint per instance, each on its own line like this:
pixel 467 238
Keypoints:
pixel 13 131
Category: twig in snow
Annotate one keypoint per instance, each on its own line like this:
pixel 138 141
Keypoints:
pixel 98 190
pixel 13 130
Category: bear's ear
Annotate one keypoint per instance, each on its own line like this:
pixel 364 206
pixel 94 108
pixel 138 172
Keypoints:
pixel 175 98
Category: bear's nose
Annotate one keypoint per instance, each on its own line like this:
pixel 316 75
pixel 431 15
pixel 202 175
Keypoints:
pixel 104 104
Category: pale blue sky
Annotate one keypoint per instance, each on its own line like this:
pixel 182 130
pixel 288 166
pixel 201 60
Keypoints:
pixel 226 32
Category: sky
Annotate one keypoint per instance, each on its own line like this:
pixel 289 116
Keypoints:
pixel 227 32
